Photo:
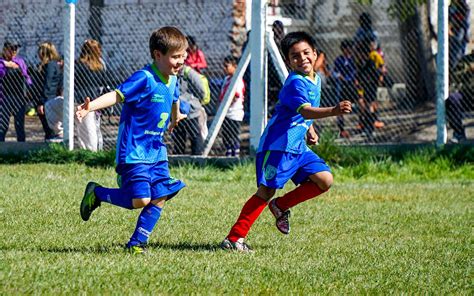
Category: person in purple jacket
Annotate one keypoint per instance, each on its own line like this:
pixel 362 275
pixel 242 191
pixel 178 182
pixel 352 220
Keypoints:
pixel 13 81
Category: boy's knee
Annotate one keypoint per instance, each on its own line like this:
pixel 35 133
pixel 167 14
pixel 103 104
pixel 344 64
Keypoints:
pixel 324 180
pixel 140 202
pixel 160 202
pixel 265 193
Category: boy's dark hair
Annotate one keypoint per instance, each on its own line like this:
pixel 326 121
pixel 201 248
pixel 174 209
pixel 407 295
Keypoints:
pixel 346 43
pixel 292 38
pixel 166 39
pixel 230 60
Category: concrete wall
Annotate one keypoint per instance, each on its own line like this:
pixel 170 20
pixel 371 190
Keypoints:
pixel 126 26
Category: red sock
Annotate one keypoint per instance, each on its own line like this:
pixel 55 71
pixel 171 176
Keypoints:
pixel 300 194
pixel 250 212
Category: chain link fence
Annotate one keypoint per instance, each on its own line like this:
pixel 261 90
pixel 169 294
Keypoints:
pixel 377 56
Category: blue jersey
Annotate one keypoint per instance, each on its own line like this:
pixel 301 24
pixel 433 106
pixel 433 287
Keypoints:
pixel 287 128
pixel 145 116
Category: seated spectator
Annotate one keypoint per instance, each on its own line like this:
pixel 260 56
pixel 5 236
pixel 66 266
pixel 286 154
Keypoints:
pixel 53 110
pixel 195 58
pixel 50 82
pixel 14 78
pixel 235 114
pixel 345 77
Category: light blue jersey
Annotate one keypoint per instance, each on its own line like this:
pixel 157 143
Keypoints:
pixel 145 115
pixel 287 128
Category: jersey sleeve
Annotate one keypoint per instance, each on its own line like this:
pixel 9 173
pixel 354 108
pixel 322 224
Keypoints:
pixel 295 95
pixel 176 92
pixel 132 88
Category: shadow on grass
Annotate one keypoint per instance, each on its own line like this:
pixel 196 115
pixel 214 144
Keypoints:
pixel 185 246
pixel 117 248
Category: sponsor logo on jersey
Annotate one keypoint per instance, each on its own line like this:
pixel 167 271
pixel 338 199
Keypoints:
pixel 158 98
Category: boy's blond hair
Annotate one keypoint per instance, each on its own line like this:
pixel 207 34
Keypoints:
pixel 166 39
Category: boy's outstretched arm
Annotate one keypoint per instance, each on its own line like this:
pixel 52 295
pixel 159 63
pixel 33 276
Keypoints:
pixel 176 116
pixel 341 108
pixel 106 100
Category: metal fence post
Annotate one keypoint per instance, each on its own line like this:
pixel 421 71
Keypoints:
pixel 258 82
pixel 68 82
pixel 442 68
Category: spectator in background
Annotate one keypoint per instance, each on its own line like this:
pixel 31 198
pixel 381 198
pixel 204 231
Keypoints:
pixel 53 110
pixel 191 93
pixel 89 81
pixel 13 80
pixel 365 32
pixel 235 114
pixel 195 58
pixel 461 97
pixel 278 32
pixel 459 15
pixel 345 72
pixel 368 79
pixel 49 84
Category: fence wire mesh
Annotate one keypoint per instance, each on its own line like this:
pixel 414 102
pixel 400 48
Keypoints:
pixel 379 57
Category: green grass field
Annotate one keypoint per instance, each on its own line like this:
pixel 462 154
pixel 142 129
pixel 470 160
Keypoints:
pixel 383 228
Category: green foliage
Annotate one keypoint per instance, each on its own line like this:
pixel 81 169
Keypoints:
pixel 58 154
pixel 382 229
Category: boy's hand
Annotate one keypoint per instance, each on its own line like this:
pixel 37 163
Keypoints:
pixel 174 121
pixel 312 137
pixel 83 109
pixel 343 107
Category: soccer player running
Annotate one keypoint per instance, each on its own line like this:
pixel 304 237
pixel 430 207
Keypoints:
pixel 149 96
pixel 282 153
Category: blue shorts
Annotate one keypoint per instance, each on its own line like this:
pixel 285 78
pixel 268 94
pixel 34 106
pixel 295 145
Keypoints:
pixel 148 180
pixel 275 168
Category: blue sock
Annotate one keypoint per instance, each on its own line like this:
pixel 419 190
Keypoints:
pixel 114 196
pixel 145 224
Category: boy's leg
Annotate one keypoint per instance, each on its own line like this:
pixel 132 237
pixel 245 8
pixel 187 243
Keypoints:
pixel 320 179
pixel 197 142
pixel 307 190
pixel 227 136
pixel 272 172
pixel 133 193
pixel 147 220
pixel 95 194
pixel 250 212
pixel 162 189
pixel 235 130
pixel 19 118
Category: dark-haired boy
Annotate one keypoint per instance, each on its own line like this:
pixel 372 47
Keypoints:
pixel 150 97
pixel 282 154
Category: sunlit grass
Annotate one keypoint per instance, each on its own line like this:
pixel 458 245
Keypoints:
pixel 384 227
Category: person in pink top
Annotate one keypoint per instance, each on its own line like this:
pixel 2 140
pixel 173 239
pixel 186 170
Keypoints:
pixel 196 58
